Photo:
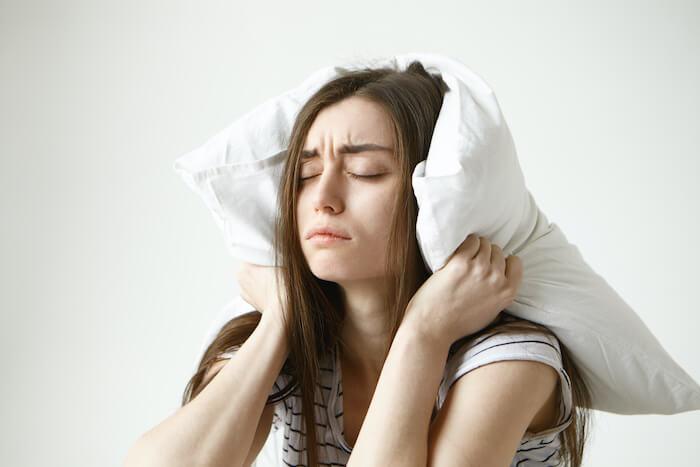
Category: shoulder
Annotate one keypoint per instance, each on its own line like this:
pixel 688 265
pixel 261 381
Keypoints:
pixel 510 388
pixel 502 344
pixel 499 403
pixel 528 358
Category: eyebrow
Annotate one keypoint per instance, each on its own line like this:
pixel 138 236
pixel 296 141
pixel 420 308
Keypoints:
pixel 350 149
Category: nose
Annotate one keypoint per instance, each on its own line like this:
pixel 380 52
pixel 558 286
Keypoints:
pixel 328 191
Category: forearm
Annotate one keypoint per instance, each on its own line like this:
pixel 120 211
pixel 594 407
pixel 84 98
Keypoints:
pixel 218 426
pixel 395 429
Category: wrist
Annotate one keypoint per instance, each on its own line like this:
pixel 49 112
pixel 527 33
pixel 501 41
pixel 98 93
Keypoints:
pixel 418 331
pixel 271 324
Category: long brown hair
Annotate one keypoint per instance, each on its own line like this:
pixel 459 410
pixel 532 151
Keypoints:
pixel 412 98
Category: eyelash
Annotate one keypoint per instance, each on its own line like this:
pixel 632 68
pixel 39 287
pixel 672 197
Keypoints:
pixel 351 175
pixel 365 176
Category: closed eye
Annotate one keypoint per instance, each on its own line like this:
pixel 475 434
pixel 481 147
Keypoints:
pixel 365 176
pixel 352 175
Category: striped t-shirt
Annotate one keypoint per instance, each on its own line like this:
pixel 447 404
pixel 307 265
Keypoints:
pixel 283 446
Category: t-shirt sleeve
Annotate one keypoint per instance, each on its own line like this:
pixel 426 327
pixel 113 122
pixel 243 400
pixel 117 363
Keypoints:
pixel 505 345
pixel 278 416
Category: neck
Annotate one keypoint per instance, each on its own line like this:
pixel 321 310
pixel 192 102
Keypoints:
pixel 364 331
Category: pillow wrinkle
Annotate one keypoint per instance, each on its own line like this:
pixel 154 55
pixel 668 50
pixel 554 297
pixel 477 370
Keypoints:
pixel 471 182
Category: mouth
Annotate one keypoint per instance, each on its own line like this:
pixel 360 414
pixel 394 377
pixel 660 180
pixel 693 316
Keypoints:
pixel 328 231
pixel 327 239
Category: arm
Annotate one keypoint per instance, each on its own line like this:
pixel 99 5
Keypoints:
pixel 487 411
pixel 264 425
pixel 217 427
pixel 395 429
pixel 496 402
pixel 472 288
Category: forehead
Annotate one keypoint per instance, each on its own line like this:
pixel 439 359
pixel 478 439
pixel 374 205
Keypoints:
pixel 353 120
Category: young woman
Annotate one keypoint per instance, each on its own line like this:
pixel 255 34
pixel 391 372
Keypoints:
pixel 370 359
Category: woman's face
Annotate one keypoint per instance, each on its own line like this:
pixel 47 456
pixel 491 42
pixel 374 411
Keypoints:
pixel 347 187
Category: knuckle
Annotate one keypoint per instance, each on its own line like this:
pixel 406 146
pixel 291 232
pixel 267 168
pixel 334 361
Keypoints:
pixel 476 268
pixel 495 281
pixel 460 265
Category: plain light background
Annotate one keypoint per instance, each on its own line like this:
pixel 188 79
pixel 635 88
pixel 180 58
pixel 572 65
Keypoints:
pixel 112 269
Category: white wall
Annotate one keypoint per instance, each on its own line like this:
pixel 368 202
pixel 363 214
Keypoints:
pixel 112 269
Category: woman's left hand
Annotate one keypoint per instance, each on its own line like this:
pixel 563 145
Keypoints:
pixel 466 294
pixel 259 286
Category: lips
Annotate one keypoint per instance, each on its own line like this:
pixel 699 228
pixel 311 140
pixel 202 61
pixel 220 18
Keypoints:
pixel 327 230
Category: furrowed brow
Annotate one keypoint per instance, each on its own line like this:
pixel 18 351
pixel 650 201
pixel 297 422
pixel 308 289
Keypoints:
pixel 349 149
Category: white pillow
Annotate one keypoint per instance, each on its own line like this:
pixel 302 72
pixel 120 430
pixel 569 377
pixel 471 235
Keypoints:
pixel 470 182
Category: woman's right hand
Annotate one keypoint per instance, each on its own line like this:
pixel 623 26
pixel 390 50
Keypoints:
pixel 259 286
pixel 467 294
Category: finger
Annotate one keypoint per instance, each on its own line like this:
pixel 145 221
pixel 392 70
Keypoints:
pixel 466 249
pixel 470 246
pixel 514 270
pixel 498 261
pixel 244 268
pixel 484 254
pixel 240 274
pixel 246 298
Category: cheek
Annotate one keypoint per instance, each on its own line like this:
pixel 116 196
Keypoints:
pixel 377 203
pixel 373 216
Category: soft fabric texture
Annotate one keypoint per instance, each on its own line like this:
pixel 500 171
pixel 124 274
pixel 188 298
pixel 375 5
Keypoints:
pixel 470 182
pixel 535 449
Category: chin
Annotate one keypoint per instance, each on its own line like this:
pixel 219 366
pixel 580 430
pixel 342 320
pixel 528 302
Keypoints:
pixel 330 274
pixel 331 269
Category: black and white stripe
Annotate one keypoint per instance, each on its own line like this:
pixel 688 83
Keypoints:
pixel 535 450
